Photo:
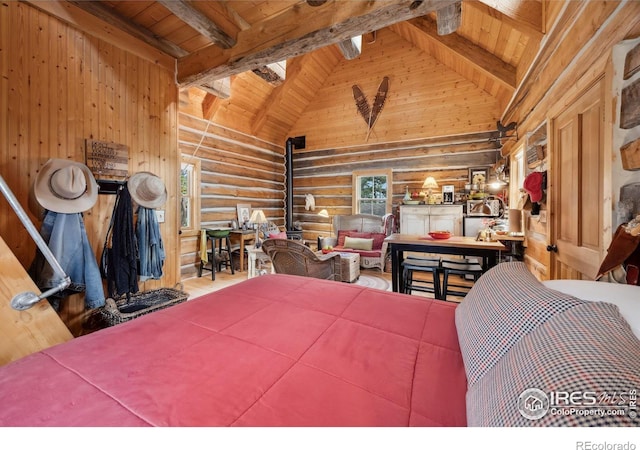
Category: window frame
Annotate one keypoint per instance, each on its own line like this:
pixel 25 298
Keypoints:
pixel 357 174
pixel 193 195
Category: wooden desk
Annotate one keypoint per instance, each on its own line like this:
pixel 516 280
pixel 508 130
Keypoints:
pixel 242 236
pixel 455 245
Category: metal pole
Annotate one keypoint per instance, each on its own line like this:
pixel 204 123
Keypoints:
pixel 26 300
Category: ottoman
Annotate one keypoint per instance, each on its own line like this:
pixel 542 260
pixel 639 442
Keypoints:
pixel 350 263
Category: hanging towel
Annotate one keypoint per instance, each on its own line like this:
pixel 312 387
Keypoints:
pixel 150 247
pixel 66 237
pixel 204 256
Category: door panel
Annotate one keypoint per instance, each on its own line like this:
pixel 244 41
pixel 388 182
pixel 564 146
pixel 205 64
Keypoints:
pixel 577 186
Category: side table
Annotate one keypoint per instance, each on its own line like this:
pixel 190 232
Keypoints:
pixel 349 265
pixel 256 254
pixel 242 236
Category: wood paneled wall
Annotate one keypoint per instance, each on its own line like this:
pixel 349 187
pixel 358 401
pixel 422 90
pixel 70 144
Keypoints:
pixel 60 86
pixel 235 168
pixel 425 99
pixel 573 56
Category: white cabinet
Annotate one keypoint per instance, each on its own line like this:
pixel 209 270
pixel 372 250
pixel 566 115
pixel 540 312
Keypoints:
pixel 425 218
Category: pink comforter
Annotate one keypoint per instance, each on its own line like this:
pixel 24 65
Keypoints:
pixel 276 350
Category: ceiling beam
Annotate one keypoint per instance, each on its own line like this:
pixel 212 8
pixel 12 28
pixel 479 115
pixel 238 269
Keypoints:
pixel 274 74
pixel 107 15
pixel 297 31
pixel 219 88
pixel 449 18
pixel 199 22
pixel 486 62
pixel 351 48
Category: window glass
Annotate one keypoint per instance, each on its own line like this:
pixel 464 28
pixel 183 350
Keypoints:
pixel 189 200
pixel 372 193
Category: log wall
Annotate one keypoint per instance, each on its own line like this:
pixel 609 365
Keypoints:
pixel 235 168
pixel 60 86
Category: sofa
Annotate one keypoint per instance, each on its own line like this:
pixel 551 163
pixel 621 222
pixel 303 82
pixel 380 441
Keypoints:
pixel 538 356
pixel 363 234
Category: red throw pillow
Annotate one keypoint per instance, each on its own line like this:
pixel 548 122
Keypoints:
pixel 378 239
pixel 342 234
pixel 281 235
pixel 361 234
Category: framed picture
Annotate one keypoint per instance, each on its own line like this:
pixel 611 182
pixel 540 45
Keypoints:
pixel 244 213
pixel 478 175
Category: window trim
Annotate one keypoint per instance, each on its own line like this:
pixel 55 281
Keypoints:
pixel 369 173
pixel 195 196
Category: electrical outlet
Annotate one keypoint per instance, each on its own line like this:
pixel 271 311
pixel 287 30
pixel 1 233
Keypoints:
pixel 160 215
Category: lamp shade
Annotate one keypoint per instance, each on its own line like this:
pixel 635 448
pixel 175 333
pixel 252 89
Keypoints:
pixel 257 216
pixel 324 213
pixel 430 183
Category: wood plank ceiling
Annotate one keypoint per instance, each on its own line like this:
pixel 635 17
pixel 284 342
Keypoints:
pixel 226 48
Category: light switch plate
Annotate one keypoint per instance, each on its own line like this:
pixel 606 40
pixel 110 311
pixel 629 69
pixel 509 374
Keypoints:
pixel 160 215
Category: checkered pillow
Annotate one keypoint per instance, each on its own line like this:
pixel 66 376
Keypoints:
pixel 588 350
pixel 504 305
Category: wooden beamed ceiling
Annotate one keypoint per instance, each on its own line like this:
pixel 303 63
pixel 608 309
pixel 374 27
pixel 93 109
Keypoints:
pixel 212 41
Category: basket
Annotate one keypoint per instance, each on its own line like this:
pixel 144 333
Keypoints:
pixel 123 309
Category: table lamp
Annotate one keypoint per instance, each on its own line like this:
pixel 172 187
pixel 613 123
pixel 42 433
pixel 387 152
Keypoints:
pixel 429 184
pixel 258 217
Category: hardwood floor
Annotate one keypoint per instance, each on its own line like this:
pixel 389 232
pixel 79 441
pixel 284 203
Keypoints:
pixel 200 286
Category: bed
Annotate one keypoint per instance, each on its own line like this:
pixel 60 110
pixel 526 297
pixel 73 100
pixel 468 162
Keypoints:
pixel 276 350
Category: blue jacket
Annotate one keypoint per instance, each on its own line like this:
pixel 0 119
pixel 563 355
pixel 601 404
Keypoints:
pixel 150 247
pixel 66 237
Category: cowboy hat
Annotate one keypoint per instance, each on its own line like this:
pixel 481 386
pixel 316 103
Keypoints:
pixel 147 190
pixel 65 186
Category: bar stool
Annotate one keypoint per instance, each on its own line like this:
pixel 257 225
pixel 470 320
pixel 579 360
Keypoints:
pixel 462 267
pixel 425 265
pixel 222 255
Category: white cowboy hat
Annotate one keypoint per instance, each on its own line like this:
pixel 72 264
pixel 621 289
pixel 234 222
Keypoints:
pixel 65 186
pixel 147 190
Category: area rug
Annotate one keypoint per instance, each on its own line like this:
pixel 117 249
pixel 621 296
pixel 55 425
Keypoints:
pixel 374 282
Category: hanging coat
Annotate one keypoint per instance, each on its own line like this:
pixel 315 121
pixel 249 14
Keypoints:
pixel 150 247
pixel 66 237
pixel 122 278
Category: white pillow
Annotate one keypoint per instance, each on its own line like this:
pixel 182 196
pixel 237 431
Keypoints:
pixel 358 243
pixel 625 296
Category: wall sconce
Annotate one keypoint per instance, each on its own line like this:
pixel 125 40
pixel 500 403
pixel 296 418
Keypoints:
pixel 324 213
pixel 429 184
pixel 258 217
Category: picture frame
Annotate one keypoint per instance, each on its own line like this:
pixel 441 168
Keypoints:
pixel 244 213
pixel 478 175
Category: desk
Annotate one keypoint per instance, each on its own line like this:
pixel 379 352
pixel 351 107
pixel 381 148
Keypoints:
pixel 455 245
pixel 242 236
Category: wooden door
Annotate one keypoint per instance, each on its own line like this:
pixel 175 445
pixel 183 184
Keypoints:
pixel 576 187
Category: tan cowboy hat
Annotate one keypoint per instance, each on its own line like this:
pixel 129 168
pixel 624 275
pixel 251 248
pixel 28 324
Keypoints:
pixel 147 190
pixel 65 186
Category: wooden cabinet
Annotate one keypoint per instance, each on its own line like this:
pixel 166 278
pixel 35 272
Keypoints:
pixel 422 219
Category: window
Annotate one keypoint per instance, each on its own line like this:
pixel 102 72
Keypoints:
pixel 516 177
pixel 190 194
pixel 372 192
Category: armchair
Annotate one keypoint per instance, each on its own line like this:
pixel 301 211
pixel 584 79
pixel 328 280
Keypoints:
pixel 294 258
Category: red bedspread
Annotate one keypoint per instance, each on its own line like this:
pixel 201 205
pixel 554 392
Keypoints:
pixel 276 350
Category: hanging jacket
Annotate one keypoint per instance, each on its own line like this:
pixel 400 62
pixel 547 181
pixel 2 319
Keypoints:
pixel 150 247
pixel 123 257
pixel 66 237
